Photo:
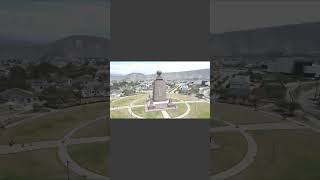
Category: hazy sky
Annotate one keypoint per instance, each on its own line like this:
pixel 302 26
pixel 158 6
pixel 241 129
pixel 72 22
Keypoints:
pixel 46 20
pixel 231 16
pixel 151 67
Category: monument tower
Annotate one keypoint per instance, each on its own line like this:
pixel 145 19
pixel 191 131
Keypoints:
pixel 159 100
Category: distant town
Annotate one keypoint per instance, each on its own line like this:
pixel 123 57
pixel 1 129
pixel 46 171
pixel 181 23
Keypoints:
pixel 198 86
pixel 284 83
pixel 29 86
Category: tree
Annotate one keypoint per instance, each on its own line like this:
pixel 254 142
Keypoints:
pixel 17 78
pixel 200 96
pixel 42 70
pixel 59 97
pixel 4 83
pixel 128 92
pixel 36 107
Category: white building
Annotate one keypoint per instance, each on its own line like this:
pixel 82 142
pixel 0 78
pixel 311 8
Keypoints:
pixel 19 97
pixel 313 70
pixel 184 88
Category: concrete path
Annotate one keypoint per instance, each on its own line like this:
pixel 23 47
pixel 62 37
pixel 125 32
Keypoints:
pixel 252 146
pixel 67 160
pixel 119 108
pixel 73 166
pixel 311 110
pixel 272 126
pixel 6 149
pixel 16 148
pixel 133 114
pixel 30 118
pixel 185 113
pixel 244 163
pixel 165 115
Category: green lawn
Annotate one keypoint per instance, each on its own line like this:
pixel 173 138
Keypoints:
pixel 242 115
pixel 141 99
pixel 175 100
pixel 120 114
pixel 181 108
pixel 93 156
pixel 127 100
pixel 183 97
pixel 217 123
pixel 233 149
pixel 199 110
pixel 96 129
pixel 147 115
pixel 284 154
pixel 54 125
pixel 93 99
pixel 35 165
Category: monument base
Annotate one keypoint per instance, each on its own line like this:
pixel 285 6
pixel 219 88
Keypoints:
pixel 159 105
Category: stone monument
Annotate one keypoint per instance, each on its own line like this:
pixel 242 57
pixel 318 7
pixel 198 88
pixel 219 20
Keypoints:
pixel 159 100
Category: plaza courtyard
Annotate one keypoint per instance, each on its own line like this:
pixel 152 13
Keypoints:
pixel 187 107
pixel 252 145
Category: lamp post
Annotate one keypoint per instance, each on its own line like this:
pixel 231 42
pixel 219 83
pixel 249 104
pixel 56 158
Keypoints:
pixel 68 174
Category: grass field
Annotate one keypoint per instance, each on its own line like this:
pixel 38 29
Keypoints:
pixel 183 97
pixel 181 108
pixel 284 154
pixel 93 156
pixel 140 112
pixel 233 149
pixel 35 165
pixel 96 129
pixel 54 125
pixel 125 101
pixel 199 110
pixel 141 99
pixel 217 123
pixel 120 114
pixel 242 115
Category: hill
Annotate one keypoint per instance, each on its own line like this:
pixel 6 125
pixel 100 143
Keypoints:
pixel 203 74
pixel 66 48
pixel 290 39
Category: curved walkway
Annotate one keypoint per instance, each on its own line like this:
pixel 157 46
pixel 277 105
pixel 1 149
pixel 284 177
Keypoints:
pixel 140 105
pixel 68 140
pixel 73 166
pixel 252 146
pixel 68 161
pixel 246 161
pixel 185 113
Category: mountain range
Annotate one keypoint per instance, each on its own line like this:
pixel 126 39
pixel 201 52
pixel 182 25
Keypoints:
pixel 290 39
pixel 67 48
pixel 201 74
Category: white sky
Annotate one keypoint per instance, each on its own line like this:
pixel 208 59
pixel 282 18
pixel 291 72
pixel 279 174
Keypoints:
pixel 150 67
